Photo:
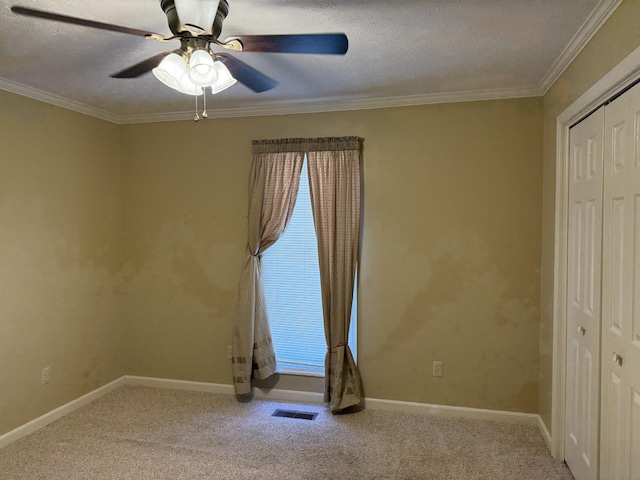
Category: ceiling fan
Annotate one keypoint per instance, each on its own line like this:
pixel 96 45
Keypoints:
pixel 197 24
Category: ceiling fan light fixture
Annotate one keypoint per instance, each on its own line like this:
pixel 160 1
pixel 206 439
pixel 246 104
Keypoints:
pixel 202 71
pixel 224 80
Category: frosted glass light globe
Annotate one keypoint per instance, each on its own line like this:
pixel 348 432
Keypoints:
pixel 201 69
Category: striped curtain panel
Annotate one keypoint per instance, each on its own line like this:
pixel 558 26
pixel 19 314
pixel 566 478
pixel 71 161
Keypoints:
pixel 273 188
pixel 334 179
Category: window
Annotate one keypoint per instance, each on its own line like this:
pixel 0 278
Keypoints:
pixel 291 277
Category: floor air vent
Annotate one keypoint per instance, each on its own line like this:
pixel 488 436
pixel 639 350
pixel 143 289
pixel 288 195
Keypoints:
pixel 295 414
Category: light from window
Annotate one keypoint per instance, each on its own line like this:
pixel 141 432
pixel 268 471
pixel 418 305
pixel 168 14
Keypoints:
pixel 291 277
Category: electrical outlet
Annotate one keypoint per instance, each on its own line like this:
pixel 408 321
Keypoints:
pixel 437 369
pixel 45 376
pixel 229 352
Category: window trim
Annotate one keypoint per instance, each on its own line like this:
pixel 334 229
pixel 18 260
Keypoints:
pixel 300 372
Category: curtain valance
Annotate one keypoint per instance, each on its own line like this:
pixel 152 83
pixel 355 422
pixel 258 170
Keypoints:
pixel 306 145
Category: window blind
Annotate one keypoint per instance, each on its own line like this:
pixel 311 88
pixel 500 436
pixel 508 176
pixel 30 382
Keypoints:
pixel 291 277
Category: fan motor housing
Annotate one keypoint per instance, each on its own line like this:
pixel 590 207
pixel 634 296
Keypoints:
pixel 169 8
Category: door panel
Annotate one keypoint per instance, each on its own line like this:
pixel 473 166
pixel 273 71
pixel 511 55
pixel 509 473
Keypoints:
pixel 584 286
pixel 614 429
pixel 615 263
pixel 635 435
pixel 620 445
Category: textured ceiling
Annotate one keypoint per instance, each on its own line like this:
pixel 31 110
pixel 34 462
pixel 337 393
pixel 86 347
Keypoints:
pixel 400 52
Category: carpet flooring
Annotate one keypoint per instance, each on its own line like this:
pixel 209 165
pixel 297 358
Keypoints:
pixel 141 433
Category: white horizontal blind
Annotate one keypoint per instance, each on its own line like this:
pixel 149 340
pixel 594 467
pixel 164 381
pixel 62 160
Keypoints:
pixel 291 276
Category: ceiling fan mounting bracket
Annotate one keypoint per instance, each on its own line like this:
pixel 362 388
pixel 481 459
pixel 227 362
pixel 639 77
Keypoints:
pixel 169 9
pixel 175 25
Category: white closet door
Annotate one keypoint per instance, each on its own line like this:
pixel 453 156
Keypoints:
pixel 583 305
pixel 620 418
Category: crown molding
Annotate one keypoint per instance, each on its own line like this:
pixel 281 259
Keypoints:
pixel 591 25
pixel 340 105
pixel 58 101
pixel 270 110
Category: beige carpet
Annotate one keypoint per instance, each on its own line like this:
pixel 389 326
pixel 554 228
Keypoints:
pixel 145 433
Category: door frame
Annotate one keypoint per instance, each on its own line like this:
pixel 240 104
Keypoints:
pixel 623 75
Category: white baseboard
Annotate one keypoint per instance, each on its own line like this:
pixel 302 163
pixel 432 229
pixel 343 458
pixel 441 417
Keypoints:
pixel 288 395
pixel 545 433
pixel 445 410
pixel 178 384
pixel 53 415
pixel 274 394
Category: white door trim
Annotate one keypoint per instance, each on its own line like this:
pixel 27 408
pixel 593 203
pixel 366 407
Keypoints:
pixel 620 77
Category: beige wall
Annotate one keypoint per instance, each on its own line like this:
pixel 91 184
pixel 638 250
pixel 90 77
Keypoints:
pixel 450 254
pixel 121 247
pixel 61 252
pixel 618 37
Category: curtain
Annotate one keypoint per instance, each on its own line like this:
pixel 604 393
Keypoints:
pixel 273 187
pixel 334 179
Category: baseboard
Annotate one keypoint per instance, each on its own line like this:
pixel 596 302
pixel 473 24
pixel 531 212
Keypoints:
pixel 53 415
pixel 315 397
pixel 274 394
pixel 545 433
pixel 178 384
pixel 449 411
pixel 288 395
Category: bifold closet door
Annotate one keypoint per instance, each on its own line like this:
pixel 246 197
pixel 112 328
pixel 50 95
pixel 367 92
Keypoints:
pixel 584 293
pixel 620 415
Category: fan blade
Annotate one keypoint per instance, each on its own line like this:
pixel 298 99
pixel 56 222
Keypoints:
pixel 141 68
pixel 320 43
pixel 247 75
pixel 31 12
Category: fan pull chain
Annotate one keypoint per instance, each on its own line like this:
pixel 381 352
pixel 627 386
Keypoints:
pixel 197 117
pixel 204 98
